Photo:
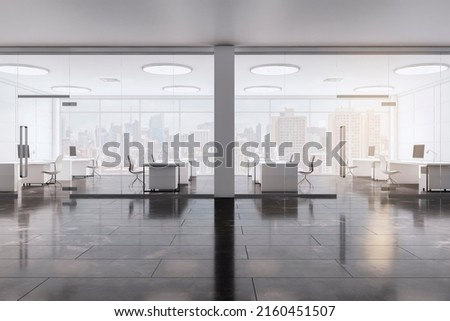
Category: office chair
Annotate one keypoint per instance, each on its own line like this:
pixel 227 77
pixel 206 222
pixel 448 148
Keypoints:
pixel 95 165
pixel 133 170
pixel 306 173
pixel 385 170
pixel 350 169
pixel 57 166
pixel 294 159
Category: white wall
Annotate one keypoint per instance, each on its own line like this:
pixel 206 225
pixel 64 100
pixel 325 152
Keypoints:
pixel 424 118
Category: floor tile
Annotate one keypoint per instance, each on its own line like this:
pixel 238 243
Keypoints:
pixel 77 268
pixel 12 289
pixel 399 268
pixel 352 289
pixel 329 252
pixel 143 289
pixel 27 251
pixel 160 252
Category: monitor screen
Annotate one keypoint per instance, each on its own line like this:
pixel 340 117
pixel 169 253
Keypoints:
pixel 72 151
pixel 418 151
pixel 371 151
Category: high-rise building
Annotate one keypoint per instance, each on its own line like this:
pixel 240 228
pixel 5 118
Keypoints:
pixel 289 128
pixel 373 131
pixel 156 128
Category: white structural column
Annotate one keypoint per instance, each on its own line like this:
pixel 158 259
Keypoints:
pixel 224 119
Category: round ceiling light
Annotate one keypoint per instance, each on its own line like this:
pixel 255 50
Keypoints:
pixel 421 69
pixel 373 89
pixel 167 69
pixel 181 89
pixel 25 70
pixel 262 89
pixel 275 69
pixel 71 89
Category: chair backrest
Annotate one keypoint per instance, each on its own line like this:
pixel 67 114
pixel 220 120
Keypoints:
pixel 131 164
pixel 58 163
pixel 383 163
pixel 311 164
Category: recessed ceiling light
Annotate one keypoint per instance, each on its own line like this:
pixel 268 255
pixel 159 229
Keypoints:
pixel 373 89
pixel 25 70
pixel 181 89
pixel 167 69
pixel 262 89
pixel 71 89
pixel 109 79
pixel 337 79
pixel 421 69
pixel 275 69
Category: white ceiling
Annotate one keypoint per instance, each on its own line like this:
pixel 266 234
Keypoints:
pixel 244 23
pixel 355 70
pixel 237 22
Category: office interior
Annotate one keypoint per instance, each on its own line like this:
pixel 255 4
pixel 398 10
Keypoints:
pixel 387 105
pixel 96 234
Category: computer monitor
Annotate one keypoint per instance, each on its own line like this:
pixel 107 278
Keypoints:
pixel 371 152
pixel 418 151
pixel 72 151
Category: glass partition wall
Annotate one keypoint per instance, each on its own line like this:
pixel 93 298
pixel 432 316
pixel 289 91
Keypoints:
pixel 384 105
pixel 98 110
pixel 290 108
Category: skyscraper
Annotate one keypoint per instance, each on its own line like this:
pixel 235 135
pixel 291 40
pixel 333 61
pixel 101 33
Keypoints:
pixel 289 128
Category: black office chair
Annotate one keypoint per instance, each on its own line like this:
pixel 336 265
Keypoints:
pixel 308 172
pixel 133 170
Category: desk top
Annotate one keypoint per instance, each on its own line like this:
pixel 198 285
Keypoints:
pixel 371 160
pixel 78 159
pixel 418 163
pixel 30 162
pixel 168 164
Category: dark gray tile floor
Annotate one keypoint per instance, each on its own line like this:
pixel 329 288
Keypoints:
pixel 202 184
pixel 363 245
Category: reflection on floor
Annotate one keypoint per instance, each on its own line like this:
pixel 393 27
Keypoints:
pixel 200 185
pixel 361 246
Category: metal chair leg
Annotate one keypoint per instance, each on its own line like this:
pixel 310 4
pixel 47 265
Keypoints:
pixel 136 179
pixel 305 178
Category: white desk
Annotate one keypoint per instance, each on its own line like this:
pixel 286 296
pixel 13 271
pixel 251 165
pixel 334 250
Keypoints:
pixel 369 167
pixel 278 177
pixel 74 167
pixel 366 167
pixel 9 173
pixel 9 176
pixel 35 175
pixel 161 177
pixel 434 177
pixel 409 171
